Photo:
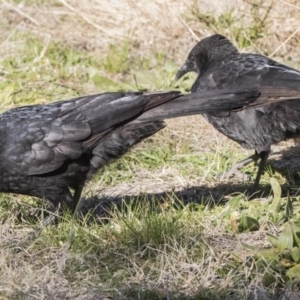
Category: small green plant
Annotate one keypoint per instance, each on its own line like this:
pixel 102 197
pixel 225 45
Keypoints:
pixel 117 58
pixel 244 33
pixel 284 256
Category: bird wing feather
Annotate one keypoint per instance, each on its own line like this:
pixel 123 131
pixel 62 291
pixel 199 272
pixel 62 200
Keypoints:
pixel 40 138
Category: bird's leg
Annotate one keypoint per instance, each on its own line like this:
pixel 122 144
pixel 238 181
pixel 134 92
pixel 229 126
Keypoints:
pixel 56 209
pixel 236 168
pixel 70 203
pixel 77 196
pixel 263 159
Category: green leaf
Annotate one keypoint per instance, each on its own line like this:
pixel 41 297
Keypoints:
pixel 252 248
pixel 270 255
pixel 289 211
pixel 294 272
pixel 248 223
pixel 233 204
pixel 295 253
pixel 296 232
pixel 268 279
pixel 273 239
pixel 286 239
pixel 277 194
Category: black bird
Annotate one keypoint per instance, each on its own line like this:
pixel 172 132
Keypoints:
pixel 220 66
pixel 46 150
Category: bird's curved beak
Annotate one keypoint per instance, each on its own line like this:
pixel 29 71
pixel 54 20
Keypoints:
pixel 188 66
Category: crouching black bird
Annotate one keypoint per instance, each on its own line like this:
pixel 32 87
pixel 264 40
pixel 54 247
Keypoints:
pixel 46 150
pixel 220 66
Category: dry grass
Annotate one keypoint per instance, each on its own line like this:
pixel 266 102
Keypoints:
pixel 184 244
pixel 167 26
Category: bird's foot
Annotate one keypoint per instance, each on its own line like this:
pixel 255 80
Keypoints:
pixel 234 172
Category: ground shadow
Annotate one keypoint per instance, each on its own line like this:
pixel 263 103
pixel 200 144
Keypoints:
pixel 252 291
pixel 218 194
pixel 286 162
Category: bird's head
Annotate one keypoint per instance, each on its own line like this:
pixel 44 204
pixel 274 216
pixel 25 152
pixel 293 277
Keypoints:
pixel 214 47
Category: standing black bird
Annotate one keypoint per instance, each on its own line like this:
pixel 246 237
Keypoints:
pixel 47 149
pixel 219 65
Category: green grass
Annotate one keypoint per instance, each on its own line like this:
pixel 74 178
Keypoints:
pixel 159 244
pixel 157 222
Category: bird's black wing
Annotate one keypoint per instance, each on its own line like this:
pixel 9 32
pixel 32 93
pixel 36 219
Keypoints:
pixel 39 139
pixel 204 102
